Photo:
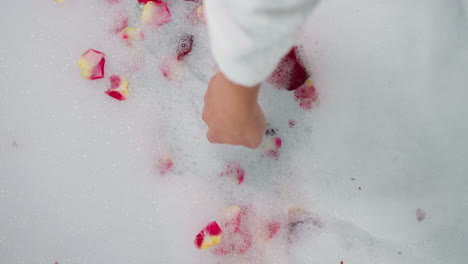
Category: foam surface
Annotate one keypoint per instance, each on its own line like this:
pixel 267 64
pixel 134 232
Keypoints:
pixel 79 181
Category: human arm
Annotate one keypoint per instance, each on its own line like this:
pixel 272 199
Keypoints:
pixel 248 38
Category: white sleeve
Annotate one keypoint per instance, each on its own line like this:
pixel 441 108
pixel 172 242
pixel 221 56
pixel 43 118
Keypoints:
pixel 249 37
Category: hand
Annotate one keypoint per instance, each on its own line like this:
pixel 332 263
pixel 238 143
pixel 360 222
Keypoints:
pixel 232 113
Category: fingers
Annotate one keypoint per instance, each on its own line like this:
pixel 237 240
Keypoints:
pixel 211 137
pixel 250 138
pixel 255 143
pixel 204 116
pixel 232 114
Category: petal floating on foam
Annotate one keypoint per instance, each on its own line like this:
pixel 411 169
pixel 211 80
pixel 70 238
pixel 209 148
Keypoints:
pixel 120 22
pixel 290 73
pixel 238 243
pixel 131 35
pixel 232 218
pixel 235 170
pixel 237 231
pixel 270 230
pixel 201 13
pixel 209 236
pixel 119 88
pixel 155 13
pixel 91 64
pixel 271 147
pixel 172 69
pixel 195 15
pixel 185 46
pixel 307 95
pixel 165 165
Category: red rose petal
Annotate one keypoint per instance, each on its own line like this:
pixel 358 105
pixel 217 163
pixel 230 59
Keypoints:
pixel 290 73
pixel 185 46
pixel 116 95
pixel 213 229
pixel 118 88
pixel 209 236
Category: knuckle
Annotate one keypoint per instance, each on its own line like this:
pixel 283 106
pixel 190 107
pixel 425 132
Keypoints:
pixel 258 141
pixel 211 137
pixel 253 144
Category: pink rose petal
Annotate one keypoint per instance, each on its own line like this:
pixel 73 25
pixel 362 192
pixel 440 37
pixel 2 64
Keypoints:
pixel 165 165
pixel 201 14
pixel 119 88
pixel 155 13
pixel 131 35
pixel 120 22
pixel 272 229
pixel 171 68
pixel 91 64
pixel 271 147
pixel 306 95
pixel 238 237
pixel 231 219
pixel 234 169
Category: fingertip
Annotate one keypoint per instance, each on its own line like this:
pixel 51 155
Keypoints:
pixel 254 144
pixel 210 137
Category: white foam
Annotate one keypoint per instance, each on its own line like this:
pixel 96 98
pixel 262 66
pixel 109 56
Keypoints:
pixel 78 170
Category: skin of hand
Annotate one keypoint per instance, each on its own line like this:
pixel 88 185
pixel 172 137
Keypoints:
pixel 233 114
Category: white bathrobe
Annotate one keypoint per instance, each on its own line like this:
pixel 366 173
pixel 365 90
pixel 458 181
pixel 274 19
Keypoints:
pixel 249 37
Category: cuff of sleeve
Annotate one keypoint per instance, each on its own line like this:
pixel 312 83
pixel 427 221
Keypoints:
pixel 245 74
